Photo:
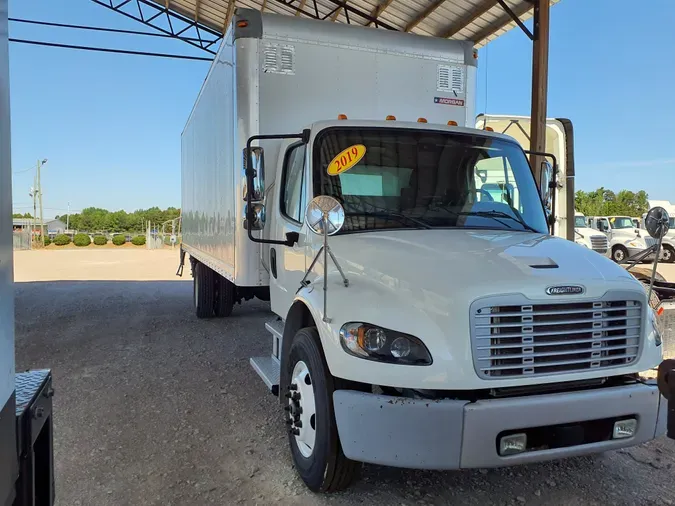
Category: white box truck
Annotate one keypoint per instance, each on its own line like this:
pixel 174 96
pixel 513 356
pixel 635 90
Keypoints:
pixel 440 326
pixel 625 240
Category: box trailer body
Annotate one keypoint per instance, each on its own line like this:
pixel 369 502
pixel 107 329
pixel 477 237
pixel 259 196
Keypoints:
pixel 443 315
pixel 281 75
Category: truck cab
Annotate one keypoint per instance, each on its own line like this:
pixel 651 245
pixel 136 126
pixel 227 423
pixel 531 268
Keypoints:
pixel 624 239
pixel 588 237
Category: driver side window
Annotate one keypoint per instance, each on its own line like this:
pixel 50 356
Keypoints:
pixel 293 184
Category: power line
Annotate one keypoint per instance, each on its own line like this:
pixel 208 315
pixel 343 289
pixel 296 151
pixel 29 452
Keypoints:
pixel 109 50
pixel 98 29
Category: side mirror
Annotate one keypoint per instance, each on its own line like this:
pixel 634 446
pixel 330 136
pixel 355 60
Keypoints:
pixel 258 222
pixel 256 155
pixel 546 180
pixel 657 222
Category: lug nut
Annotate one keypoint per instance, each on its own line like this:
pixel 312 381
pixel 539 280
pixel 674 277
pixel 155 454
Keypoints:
pixel 295 396
pixel 293 386
pixel 298 424
pixel 287 395
pixel 289 421
pixel 295 432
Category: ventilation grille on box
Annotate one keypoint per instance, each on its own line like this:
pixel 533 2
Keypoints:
pixel 450 79
pixel 278 59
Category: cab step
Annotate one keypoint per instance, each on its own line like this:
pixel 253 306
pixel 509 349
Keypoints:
pixel 269 368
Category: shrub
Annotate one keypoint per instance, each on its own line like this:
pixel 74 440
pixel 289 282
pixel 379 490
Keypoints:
pixel 81 240
pixel 119 239
pixel 139 240
pixel 100 240
pixel 61 240
pixel 48 241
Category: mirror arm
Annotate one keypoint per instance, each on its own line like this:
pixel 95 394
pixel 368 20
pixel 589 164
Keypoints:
pixel 291 238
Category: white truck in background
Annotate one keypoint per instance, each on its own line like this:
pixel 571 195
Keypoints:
pixel 625 240
pixel 588 237
pixel 423 319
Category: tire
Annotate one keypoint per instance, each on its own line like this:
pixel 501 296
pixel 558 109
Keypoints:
pixel 203 290
pixel 323 467
pixel 668 254
pixel 619 254
pixel 224 298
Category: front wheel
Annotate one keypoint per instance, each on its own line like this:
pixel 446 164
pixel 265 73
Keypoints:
pixel 313 436
pixel 668 254
pixel 619 254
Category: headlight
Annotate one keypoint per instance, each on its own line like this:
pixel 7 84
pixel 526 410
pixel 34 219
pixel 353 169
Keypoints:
pixel 657 333
pixel 383 345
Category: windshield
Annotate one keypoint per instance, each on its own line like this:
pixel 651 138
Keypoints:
pixel 426 179
pixel 621 222
pixel 580 222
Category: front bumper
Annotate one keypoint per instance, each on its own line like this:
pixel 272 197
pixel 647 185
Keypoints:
pixel 456 434
pixel 635 251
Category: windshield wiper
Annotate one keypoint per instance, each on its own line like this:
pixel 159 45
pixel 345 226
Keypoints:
pixel 499 214
pixel 392 214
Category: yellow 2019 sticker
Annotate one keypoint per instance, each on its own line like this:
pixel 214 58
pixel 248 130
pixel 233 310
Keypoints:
pixel 346 159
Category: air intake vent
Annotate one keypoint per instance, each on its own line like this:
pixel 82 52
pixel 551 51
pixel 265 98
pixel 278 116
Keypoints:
pixel 450 79
pixel 278 59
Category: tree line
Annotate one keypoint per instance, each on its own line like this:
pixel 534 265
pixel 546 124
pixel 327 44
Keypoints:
pixel 94 219
pixel 603 202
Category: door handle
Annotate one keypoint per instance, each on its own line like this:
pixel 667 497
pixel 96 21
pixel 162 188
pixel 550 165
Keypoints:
pixel 273 262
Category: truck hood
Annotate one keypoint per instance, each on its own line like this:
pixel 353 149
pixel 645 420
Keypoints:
pixel 473 262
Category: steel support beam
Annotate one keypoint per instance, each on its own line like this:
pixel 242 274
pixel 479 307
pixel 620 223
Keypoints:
pixel 470 18
pixel 423 15
pixel 150 13
pixel 539 82
pixel 379 10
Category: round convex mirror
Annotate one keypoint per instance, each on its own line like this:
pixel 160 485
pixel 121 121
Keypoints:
pixel 328 207
pixel 657 222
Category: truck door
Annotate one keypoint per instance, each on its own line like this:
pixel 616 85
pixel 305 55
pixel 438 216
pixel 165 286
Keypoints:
pixel 560 143
pixel 287 263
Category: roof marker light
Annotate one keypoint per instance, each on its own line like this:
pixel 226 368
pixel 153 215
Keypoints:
pixel 422 120
pixel 342 116
pixel 452 123
pixel 391 118
pixel 489 129
pixel 242 23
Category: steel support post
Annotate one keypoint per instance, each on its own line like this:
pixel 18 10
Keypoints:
pixel 539 82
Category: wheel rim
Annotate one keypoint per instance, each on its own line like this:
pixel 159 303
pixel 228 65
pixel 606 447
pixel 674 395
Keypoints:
pixel 618 255
pixel 667 254
pixel 302 409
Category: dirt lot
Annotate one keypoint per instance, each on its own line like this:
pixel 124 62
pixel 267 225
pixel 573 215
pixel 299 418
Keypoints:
pixel 125 264
pixel 156 407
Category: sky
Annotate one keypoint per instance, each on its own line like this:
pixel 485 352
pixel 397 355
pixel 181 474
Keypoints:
pixel 110 124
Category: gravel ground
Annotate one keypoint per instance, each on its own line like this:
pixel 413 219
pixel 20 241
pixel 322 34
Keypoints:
pixel 156 407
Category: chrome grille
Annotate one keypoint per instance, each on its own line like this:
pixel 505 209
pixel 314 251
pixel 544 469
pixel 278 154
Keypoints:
pixel 650 241
pixel 543 339
pixel 599 243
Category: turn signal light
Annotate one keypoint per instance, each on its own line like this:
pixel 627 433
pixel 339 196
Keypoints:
pixel 391 118
pixel 342 116
pixel 422 120
pixel 452 123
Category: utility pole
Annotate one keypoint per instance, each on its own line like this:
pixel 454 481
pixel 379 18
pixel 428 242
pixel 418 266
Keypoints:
pixel 68 218
pixel 33 194
pixel 39 185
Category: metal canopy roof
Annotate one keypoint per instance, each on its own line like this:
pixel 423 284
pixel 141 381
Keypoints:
pixel 476 20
